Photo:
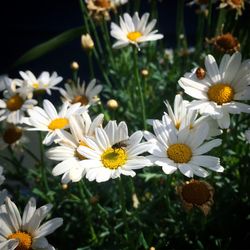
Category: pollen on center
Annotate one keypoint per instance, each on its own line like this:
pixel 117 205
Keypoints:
pixel 179 153
pixel 114 158
pixel 58 123
pixel 133 36
pixel 25 240
pixel 221 93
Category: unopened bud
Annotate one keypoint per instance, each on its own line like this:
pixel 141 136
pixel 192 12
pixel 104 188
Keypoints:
pixel 145 72
pixel 112 104
pixel 74 66
pixel 65 186
pixel 87 42
pixel 152 248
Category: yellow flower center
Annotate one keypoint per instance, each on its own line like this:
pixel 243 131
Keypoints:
pixel 133 36
pixel 221 93
pixel 58 123
pixel 25 240
pixel 14 103
pixel 35 85
pixel 114 158
pixel 195 192
pixel 103 3
pixel 179 153
pixel 82 99
pixel 177 125
pixel 12 135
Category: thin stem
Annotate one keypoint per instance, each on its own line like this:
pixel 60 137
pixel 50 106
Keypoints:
pixel 31 154
pixel 42 165
pixel 86 209
pixel 89 194
pixel 138 82
pixel 209 19
pixel 123 206
pixel 91 67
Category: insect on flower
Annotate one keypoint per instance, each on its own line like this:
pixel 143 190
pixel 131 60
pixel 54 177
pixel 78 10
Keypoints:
pixel 120 145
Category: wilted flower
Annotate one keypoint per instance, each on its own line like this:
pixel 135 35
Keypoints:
pixel 237 5
pixel 12 136
pixel 196 193
pixel 225 43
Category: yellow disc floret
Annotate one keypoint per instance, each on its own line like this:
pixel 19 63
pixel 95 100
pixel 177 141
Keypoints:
pixel 58 123
pixel 221 93
pixel 114 158
pixel 25 240
pixel 179 153
pixel 35 85
pixel 133 36
pixel 14 103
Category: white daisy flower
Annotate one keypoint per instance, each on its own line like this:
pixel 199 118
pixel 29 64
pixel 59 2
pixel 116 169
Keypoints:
pixel 48 119
pixel 183 117
pixel 113 153
pixel 86 95
pixel 2 178
pixel 27 232
pixel 14 105
pixel 247 135
pixel 70 165
pixel 183 151
pixel 134 30
pixel 45 82
pixel 220 89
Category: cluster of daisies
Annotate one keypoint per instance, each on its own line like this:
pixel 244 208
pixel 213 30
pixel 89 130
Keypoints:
pixel 85 148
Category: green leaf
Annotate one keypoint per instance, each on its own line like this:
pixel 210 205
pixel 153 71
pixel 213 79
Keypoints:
pixel 48 46
pixel 143 242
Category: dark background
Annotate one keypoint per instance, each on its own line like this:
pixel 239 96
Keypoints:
pixel 24 24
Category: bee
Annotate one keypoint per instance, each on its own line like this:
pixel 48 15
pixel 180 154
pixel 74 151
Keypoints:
pixel 120 145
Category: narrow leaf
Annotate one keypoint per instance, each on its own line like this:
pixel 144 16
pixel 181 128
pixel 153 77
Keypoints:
pixel 49 45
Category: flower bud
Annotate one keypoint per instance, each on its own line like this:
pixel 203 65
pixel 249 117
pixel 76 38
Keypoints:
pixel 112 104
pixel 87 42
pixel 74 66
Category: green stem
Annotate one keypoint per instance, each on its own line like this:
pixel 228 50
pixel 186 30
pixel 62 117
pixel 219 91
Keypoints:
pixel 42 165
pixel 89 194
pixel 179 22
pixel 209 19
pixel 138 82
pixel 123 206
pixel 86 209
pixel 200 34
pixel 91 67
pixel 220 21
pixel 31 154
